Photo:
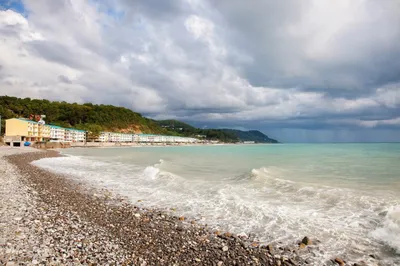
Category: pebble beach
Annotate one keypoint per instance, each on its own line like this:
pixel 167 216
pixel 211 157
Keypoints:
pixel 48 219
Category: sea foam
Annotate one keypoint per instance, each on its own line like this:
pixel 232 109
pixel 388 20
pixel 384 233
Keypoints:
pixel 389 232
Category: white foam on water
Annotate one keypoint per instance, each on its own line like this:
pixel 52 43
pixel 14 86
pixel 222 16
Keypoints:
pixel 160 162
pixel 152 172
pixel 389 230
pixel 262 202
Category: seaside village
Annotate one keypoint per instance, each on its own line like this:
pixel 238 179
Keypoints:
pixel 23 131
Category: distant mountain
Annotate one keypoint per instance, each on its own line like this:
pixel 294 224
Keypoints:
pixel 187 130
pixel 251 135
pixel 226 135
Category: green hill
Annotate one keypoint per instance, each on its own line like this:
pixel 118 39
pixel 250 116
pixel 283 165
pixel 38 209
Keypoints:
pixel 82 116
pixel 189 131
pixel 96 118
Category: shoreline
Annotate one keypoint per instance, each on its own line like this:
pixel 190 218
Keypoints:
pixel 141 145
pixel 142 236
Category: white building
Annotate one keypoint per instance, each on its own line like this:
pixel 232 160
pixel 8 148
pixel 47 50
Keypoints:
pixel 145 138
pixel 126 137
pixel 115 137
pixel 74 135
pixel 142 138
pixel 163 139
pixel 104 137
pixel 57 133
pixel 80 135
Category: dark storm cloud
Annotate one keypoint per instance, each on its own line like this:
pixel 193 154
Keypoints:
pixel 64 79
pixel 356 57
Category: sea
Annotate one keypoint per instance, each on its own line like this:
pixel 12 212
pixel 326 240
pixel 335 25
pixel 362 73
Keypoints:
pixel 346 197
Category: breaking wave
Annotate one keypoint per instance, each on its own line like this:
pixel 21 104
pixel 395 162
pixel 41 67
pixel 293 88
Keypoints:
pixel 389 230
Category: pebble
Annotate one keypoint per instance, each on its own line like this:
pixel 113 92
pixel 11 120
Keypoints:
pixel 339 261
pixel 225 248
pixel 360 263
pixel 306 241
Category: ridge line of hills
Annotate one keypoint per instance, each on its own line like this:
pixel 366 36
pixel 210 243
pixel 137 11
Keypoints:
pixel 96 118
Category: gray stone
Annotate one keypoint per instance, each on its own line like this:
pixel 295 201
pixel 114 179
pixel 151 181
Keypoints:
pixel 306 241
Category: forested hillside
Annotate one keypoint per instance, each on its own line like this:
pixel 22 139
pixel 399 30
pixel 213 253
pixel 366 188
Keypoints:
pixel 83 116
pixel 190 131
pixel 96 118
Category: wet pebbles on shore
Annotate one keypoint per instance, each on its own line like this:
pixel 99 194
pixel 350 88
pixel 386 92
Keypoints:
pixel 50 219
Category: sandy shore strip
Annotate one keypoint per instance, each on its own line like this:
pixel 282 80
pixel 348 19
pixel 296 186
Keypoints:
pixel 48 219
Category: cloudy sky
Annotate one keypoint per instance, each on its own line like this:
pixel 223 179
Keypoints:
pixel 300 71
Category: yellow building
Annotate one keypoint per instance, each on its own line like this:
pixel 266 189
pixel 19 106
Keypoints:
pixel 27 130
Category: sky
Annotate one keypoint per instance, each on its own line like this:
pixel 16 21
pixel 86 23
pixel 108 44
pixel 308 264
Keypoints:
pixel 299 71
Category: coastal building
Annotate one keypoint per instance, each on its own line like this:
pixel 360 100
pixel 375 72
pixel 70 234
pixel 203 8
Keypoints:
pixel 136 138
pixel 80 135
pixel 115 137
pixel 74 135
pixel 127 138
pixel 57 133
pixel 104 137
pixel 146 138
pixel 21 129
pixel 163 139
pixel 142 138
pixel 44 132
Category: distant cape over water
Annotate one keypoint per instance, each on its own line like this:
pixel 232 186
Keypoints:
pixel 96 118
pixel 251 135
pixel 226 134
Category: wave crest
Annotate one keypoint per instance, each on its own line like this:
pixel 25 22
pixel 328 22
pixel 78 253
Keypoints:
pixel 154 172
pixel 389 233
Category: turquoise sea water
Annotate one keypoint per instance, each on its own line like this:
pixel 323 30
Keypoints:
pixel 345 195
